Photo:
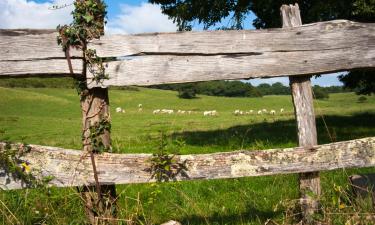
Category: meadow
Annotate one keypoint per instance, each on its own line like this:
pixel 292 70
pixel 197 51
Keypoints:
pixel 51 116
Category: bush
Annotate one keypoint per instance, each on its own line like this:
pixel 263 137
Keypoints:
pixel 320 93
pixel 362 99
pixel 187 91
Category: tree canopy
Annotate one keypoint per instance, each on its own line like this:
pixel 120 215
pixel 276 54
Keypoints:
pixel 267 12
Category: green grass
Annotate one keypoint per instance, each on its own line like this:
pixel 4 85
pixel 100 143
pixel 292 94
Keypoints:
pixel 52 117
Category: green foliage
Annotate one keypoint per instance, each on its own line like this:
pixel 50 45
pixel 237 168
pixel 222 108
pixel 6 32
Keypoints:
pixel 267 12
pixel 163 165
pixel 210 12
pixel 274 89
pixel 213 88
pixel 14 166
pixel 320 93
pixel 96 132
pixel 88 23
pixel 187 91
pixel 362 99
pixel 362 82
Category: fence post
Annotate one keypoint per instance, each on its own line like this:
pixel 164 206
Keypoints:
pixel 309 183
pixel 100 199
pixel 95 109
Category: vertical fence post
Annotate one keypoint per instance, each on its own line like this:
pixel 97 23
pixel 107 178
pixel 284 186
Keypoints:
pixel 309 183
pixel 100 199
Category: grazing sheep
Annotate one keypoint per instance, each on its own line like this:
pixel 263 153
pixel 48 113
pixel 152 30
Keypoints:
pixel 238 112
pixel 156 111
pixel 251 111
pixel 272 112
pixel 264 110
pixel 210 113
pixel 281 110
pixel 167 111
pixel 259 112
pixel 118 109
pixel 139 105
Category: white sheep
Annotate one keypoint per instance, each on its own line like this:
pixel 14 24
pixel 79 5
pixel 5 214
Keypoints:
pixel 272 112
pixel 156 111
pixel 167 111
pixel 210 113
pixel 264 110
pixel 281 110
pixel 139 105
pixel 118 109
pixel 238 112
pixel 259 112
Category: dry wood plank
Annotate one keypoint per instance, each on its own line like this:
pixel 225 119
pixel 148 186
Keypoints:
pixel 336 34
pixel 21 45
pixel 176 57
pixel 73 168
pixel 160 69
pixel 51 67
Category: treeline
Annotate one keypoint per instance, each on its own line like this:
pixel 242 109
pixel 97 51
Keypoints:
pixel 188 90
pixel 213 88
pixel 241 89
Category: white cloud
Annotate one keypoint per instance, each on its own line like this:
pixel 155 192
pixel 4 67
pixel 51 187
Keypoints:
pixel 140 19
pixel 30 14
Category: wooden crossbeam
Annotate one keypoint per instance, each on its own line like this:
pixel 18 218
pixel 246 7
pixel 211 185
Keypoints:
pixel 158 58
pixel 73 167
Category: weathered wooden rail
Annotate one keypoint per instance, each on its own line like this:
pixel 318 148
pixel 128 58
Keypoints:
pixel 72 167
pixel 296 50
pixel 157 58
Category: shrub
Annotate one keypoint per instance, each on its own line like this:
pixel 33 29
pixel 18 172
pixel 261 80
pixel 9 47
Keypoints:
pixel 320 93
pixel 362 99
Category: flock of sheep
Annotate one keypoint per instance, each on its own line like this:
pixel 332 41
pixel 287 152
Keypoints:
pixel 236 112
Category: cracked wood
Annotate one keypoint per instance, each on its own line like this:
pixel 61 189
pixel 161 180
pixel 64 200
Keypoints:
pixel 73 168
pixel 179 57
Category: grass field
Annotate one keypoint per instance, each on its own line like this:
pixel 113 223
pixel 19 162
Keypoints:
pixel 52 117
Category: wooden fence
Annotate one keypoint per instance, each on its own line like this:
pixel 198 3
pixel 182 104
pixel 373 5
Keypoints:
pixel 296 50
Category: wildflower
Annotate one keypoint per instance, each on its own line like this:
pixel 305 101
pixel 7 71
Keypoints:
pixel 26 168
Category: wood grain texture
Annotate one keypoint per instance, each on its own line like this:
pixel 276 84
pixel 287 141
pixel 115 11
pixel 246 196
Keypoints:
pixel 335 34
pixel 160 69
pixel 179 57
pixel 40 68
pixel 306 127
pixel 73 168
pixel 21 45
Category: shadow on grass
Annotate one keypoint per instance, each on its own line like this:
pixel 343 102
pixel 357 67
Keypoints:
pixel 282 132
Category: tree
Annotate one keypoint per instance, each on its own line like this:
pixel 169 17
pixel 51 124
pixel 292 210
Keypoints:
pixel 187 91
pixel 320 92
pixel 210 12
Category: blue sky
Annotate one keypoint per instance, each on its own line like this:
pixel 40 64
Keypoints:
pixel 124 16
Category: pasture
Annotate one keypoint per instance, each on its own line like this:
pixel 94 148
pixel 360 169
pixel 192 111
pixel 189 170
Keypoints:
pixel 52 117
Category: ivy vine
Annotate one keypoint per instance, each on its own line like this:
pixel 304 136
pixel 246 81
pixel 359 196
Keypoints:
pixel 88 24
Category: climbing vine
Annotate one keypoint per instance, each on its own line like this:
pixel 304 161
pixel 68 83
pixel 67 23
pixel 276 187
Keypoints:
pixel 88 24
